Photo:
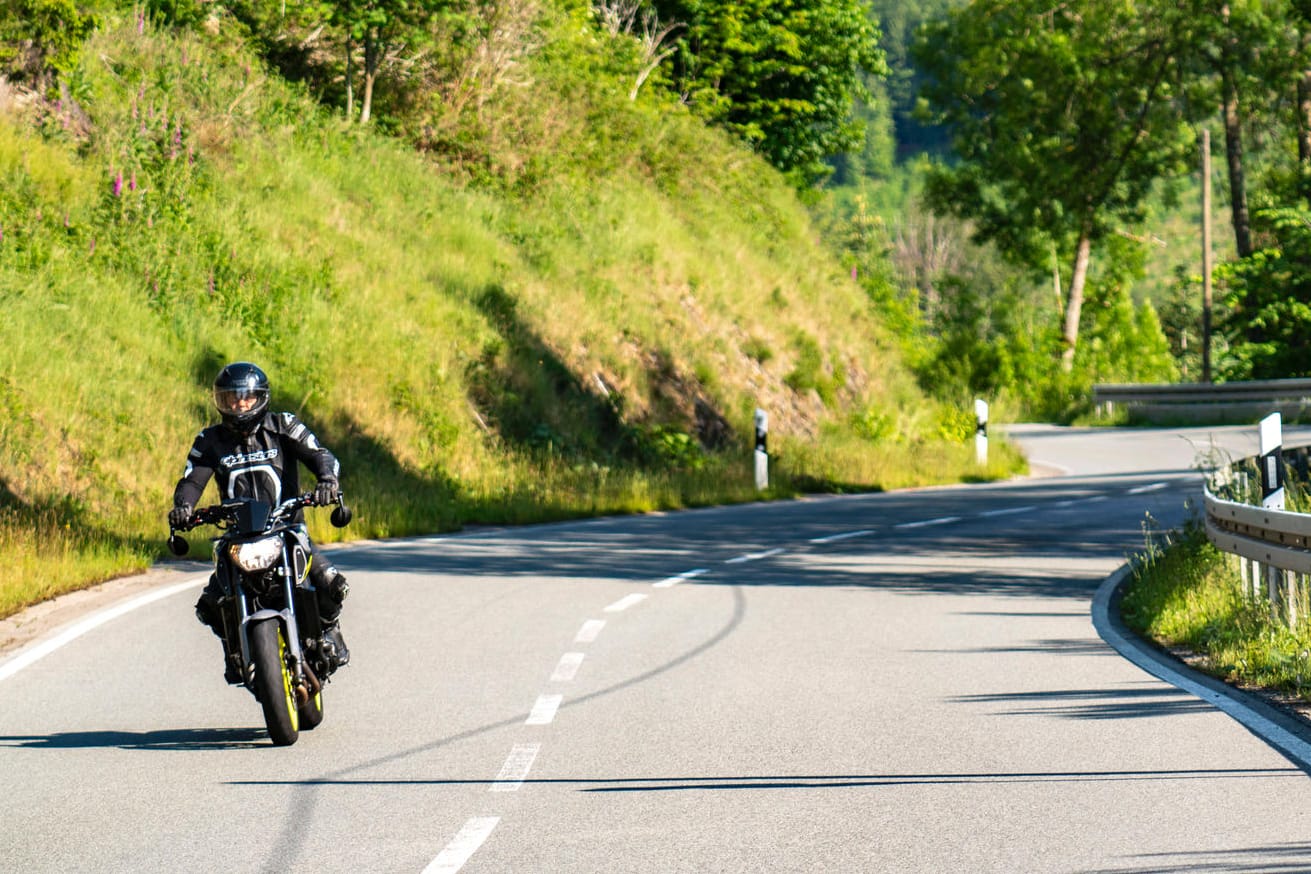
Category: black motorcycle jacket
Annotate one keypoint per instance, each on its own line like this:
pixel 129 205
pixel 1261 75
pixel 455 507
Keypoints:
pixel 261 464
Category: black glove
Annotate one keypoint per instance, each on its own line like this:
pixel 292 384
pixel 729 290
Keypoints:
pixel 180 515
pixel 325 493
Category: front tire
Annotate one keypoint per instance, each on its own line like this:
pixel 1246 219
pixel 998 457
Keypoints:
pixel 274 684
pixel 311 713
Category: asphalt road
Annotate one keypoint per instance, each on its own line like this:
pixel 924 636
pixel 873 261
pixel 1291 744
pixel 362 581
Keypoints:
pixel 898 682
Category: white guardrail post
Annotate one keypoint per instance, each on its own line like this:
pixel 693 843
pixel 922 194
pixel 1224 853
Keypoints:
pixel 1272 491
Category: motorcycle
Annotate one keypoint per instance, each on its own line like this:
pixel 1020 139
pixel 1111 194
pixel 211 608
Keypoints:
pixel 272 634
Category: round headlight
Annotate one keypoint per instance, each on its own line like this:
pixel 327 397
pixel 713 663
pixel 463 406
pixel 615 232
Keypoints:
pixel 257 555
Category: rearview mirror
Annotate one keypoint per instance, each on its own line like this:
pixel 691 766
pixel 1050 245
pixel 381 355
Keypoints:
pixel 341 516
pixel 177 544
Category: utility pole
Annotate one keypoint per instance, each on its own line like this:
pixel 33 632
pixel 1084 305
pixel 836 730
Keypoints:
pixel 1206 255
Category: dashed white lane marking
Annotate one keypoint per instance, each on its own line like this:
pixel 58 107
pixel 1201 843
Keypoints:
pixel 669 582
pixel 463 846
pixel 846 535
pixel 1010 511
pixel 754 556
pixel 590 631
pixel 567 668
pixel 625 602
pixel 36 653
pixel 543 712
pixel 944 520
pixel 516 768
pixel 1154 487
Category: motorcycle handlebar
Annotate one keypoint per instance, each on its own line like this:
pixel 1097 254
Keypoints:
pixel 216 513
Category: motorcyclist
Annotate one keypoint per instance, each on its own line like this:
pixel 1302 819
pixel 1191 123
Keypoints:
pixel 253 453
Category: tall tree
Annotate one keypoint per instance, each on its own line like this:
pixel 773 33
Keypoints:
pixel 380 29
pixel 781 74
pixel 1063 116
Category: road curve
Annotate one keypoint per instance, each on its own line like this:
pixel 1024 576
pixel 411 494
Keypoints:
pixel 897 682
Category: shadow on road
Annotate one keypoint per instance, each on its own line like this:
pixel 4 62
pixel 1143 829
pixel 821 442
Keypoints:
pixel 175 739
pixel 1154 700
pixel 823 781
pixel 977 552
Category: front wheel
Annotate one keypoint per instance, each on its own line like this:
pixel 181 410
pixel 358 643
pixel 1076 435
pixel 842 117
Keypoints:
pixel 274 684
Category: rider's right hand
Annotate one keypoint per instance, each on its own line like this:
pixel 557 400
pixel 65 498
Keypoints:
pixel 179 515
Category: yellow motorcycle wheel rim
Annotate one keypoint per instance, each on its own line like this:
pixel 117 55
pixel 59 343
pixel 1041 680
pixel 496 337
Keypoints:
pixel 287 687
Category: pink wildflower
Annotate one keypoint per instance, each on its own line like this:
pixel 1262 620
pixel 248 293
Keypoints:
pixel 132 183
pixel 118 183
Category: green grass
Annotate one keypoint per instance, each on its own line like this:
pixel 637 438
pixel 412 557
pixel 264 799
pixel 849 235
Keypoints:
pixel 583 337
pixel 1189 596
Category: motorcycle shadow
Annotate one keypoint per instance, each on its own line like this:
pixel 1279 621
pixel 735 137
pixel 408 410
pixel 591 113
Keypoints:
pixel 162 739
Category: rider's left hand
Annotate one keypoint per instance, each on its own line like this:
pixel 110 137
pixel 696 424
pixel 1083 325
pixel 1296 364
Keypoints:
pixel 326 492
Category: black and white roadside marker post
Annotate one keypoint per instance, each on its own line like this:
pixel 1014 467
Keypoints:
pixel 1272 489
pixel 981 430
pixel 762 451
pixel 1272 471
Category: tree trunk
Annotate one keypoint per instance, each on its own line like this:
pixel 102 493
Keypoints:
pixel 1074 305
pixel 1304 120
pixel 1237 182
pixel 1234 139
pixel 371 56
pixel 350 78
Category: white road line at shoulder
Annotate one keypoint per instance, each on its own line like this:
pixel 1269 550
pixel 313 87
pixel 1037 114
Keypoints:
pixel 625 602
pixel 1154 487
pixel 516 768
pixel 567 668
pixel 679 578
pixel 543 712
pixel 466 842
pixel 590 631
pixel 38 651
pixel 755 556
pixel 943 520
pixel 846 535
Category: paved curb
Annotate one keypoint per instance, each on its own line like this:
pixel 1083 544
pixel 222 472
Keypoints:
pixel 1288 735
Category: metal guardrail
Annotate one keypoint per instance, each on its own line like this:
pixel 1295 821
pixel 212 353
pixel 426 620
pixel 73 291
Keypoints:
pixel 1255 391
pixel 1275 543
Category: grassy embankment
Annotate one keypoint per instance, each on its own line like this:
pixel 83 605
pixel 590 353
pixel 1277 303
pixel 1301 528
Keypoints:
pixel 1188 597
pixel 592 338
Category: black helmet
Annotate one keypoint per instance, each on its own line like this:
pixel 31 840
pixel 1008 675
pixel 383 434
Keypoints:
pixel 234 388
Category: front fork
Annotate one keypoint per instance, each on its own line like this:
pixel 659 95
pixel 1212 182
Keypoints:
pixel 303 678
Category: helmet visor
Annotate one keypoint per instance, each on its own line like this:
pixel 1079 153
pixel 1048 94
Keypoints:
pixel 239 402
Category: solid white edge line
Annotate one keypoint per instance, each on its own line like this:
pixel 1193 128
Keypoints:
pixel 1292 746
pixel 944 520
pixel 625 602
pixel 846 535
pixel 544 710
pixel 38 651
pixel 590 631
pixel 462 847
pixel 567 668
pixel 1154 487
pixel 516 768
